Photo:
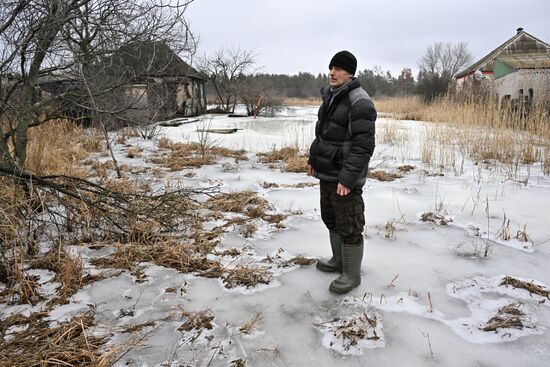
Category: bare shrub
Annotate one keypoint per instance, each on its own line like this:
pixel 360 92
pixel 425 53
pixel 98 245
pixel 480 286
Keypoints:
pixel 150 132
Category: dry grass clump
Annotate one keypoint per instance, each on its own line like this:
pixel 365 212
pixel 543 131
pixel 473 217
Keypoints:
pixel 183 155
pixel 93 141
pixel 239 154
pixel 70 344
pixel 275 156
pixel 21 287
pixel 179 256
pixel 248 229
pixel 384 176
pixel 299 185
pixel 101 169
pixel 247 276
pixel 198 320
pixel 125 186
pixel 232 252
pixel 57 147
pixel 165 143
pixel 68 270
pixel 509 316
pixel 139 327
pixel 133 152
pixel 279 261
pixel 352 329
pixel 245 202
pixel 295 164
pixel 166 250
pixel 249 326
pixel 405 168
pixel 531 287
pixel 355 329
pixel 289 157
pixel 435 217
pixel 237 363
pixel 301 261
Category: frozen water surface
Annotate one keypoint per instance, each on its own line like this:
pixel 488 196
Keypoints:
pixel 427 285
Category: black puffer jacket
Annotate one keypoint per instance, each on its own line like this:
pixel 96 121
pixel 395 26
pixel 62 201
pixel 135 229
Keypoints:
pixel 344 136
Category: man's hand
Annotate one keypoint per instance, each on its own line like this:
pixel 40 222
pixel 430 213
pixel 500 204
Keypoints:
pixel 342 190
pixel 309 170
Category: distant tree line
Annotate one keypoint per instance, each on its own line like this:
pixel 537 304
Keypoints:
pixel 232 78
pixel 376 81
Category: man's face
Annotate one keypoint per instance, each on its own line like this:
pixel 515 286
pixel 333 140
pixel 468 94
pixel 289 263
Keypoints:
pixel 338 77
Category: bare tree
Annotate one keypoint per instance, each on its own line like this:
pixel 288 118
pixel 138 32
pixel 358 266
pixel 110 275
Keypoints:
pixel 46 39
pixel 445 59
pixel 226 69
pixel 440 63
pixel 258 96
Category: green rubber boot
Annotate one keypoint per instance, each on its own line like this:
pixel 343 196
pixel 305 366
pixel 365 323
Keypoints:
pixel 351 275
pixel 335 263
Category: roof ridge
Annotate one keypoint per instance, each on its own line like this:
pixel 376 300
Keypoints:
pixel 493 54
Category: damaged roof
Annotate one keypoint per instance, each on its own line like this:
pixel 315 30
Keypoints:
pixel 523 50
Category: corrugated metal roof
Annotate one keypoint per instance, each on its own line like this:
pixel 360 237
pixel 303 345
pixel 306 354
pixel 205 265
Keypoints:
pixel 527 61
pixel 521 43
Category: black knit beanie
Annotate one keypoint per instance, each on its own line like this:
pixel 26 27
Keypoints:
pixel 344 60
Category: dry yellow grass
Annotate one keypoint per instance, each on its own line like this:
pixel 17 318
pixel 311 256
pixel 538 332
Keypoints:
pixel 288 158
pixel 58 146
pixel 474 112
pixel 302 102
pixel 184 155
pixel 68 270
pixel 475 129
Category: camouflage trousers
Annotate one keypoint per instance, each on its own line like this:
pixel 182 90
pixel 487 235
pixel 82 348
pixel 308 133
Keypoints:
pixel 343 214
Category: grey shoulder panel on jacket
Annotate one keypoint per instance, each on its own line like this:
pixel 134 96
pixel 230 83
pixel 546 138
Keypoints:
pixel 358 94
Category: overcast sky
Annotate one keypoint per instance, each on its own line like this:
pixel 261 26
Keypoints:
pixel 302 35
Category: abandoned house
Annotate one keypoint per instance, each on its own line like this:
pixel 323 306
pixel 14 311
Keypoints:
pixel 162 83
pixel 516 74
pixel 148 82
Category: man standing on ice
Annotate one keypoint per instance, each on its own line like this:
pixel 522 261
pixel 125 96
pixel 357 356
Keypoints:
pixel 339 157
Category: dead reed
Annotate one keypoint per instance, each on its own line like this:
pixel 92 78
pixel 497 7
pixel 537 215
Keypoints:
pixel 252 323
pixel 70 344
pixel 68 271
pixel 476 129
pixel 509 316
pixel 530 287
pixel 58 146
